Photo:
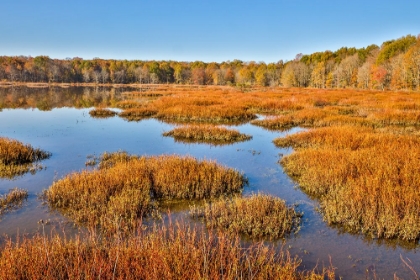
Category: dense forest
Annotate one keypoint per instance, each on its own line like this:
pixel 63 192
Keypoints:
pixel 394 65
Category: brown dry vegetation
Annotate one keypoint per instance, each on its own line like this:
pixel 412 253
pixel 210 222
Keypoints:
pixel 199 109
pixel 136 114
pixel 321 108
pixel 125 188
pixel 207 133
pixel 167 252
pixel 12 200
pixel 17 158
pixel 288 107
pixel 373 154
pixel 15 152
pixel 366 181
pixel 256 216
pixel 129 104
pixel 102 113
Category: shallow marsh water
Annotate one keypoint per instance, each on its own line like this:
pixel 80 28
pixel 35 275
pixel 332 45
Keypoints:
pixel 71 135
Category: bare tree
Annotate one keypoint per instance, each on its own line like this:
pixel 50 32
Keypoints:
pixel 120 76
pixel 96 75
pixel 363 75
pixel 104 75
pixel 86 76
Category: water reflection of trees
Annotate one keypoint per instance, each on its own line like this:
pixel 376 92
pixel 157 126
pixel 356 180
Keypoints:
pixel 56 97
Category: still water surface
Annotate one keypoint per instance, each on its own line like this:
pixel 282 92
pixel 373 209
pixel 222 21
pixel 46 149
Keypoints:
pixel 71 135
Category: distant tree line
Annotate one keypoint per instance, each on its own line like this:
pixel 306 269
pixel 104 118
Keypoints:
pixel 393 65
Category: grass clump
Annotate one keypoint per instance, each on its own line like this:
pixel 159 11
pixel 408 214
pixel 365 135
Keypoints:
pixel 207 133
pixel 13 152
pixel 126 188
pixel 366 181
pixel 304 118
pixel 12 200
pixel 17 158
pixel 257 216
pixel 167 252
pixel 215 108
pixel 129 104
pixel 102 113
pixel 137 114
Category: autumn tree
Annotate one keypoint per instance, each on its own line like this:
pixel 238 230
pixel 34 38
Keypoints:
pixel 346 71
pixel 392 48
pixel 198 76
pixel 288 77
pixel 261 75
pixel 274 72
pixel 363 75
pixel 412 62
pixel 318 75
pixel 378 77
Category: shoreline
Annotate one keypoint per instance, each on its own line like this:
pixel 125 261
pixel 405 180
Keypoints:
pixel 66 85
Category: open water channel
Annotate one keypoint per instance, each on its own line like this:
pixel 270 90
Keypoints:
pixel 57 120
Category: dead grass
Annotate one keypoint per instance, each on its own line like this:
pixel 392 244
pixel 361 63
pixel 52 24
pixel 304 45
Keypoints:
pixel 137 114
pixel 102 113
pixel 207 133
pixel 17 158
pixel 13 152
pixel 129 104
pixel 216 107
pixel 366 181
pixel 12 200
pixel 257 216
pixel 126 188
pixel 321 108
pixel 167 252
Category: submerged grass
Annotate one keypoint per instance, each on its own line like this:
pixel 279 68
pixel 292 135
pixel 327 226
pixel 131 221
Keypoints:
pixel 257 216
pixel 102 113
pixel 12 200
pixel 166 252
pixel 125 188
pixel 207 133
pixel 366 181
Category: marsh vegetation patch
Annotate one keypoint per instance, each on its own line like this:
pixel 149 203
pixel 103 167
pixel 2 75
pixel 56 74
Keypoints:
pixel 102 113
pixel 256 216
pixel 17 158
pixel 126 188
pixel 207 133
pixel 366 181
pixel 12 200
pixel 164 252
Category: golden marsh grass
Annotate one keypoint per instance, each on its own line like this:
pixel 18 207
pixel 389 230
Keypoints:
pixel 102 113
pixel 17 158
pixel 366 181
pixel 136 114
pixel 207 133
pixel 12 200
pixel 257 216
pixel 165 252
pixel 217 107
pixel 15 152
pixel 126 188
pixel 129 104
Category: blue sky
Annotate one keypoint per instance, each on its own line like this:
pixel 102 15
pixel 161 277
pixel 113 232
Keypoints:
pixel 200 29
